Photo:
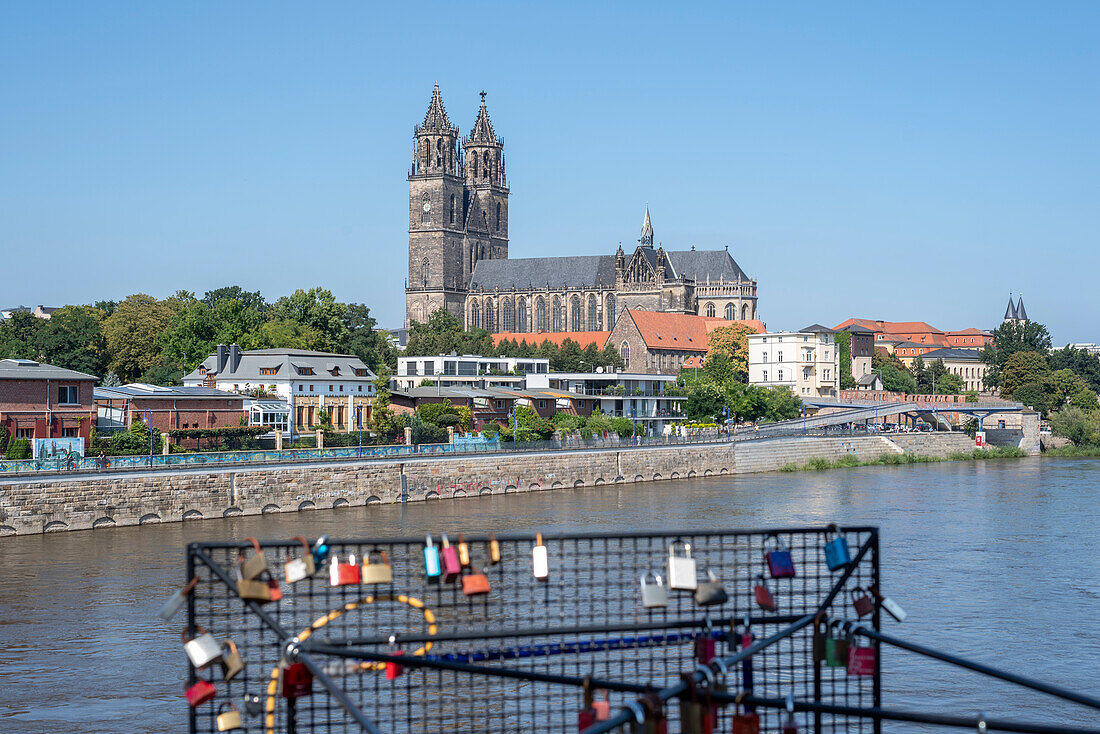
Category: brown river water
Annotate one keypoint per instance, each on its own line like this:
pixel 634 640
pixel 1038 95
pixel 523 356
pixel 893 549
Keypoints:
pixel 998 561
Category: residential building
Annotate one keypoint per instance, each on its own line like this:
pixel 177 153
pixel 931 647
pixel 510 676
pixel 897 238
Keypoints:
pixel 1087 346
pixel 908 351
pixel 658 342
pixel 966 363
pixel 639 396
pixel 870 381
pixel 805 361
pixel 862 347
pixel 309 382
pixel 43 401
pixel 469 370
pixel 39 312
pixel 969 338
pixel 166 408
pixel 486 405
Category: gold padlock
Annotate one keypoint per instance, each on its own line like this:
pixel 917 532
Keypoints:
pixel 380 572
pixel 231 660
pixel 257 564
pixel 463 552
pixel 494 549
pixel 228 720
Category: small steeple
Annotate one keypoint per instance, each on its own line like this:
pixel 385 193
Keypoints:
pixel 436 119
pixel 483 127
pixel 1021 314
pixel 647 230
pixel 1010 312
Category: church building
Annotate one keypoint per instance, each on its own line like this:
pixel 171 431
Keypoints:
pixel 458 252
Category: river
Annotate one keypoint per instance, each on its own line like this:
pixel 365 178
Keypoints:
pixel 998 561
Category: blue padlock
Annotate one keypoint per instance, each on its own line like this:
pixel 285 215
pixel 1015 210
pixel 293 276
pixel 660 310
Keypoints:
pixel 778 558
pixel 836 549
pixel 431 559
pixel 320 551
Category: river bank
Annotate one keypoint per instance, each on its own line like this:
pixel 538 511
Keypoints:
pixel 889 459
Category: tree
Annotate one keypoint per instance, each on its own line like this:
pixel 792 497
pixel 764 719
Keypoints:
pixel 1061 385
pixel 19 336
pixel 1032 395
pixel 705 402
pixel 934 377
pixel 1080 426
pixel 1020 368
pixel 251 300
pixel 843 341
pixel 733 342
pixel 443 334
pixel 1084 400
pixel 282 334
pixel 1009 338
pixel 133 335
pixel 1082 363
pixel 782 404
pixel 718 368
pixel 895 376
pixel 110 380
pixel 317 309
pixel 365 340
pixel 73 338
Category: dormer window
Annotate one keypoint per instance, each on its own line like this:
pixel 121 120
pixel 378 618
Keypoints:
pixel 202 370
pixel 305 370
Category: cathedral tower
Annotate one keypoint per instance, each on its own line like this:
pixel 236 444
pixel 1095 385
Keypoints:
pixel 487 188
pixel 437 276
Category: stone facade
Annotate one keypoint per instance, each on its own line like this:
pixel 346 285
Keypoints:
pixel 458 252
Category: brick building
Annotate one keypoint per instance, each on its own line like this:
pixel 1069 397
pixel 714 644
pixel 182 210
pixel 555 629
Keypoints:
pixel 652 342
pixel 43 401
pixel 166 408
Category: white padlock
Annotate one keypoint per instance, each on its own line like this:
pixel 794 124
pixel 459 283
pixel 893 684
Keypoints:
pixel 202 649
pixel 654 593
pixel 539 559
pixel 176 601
pixel 681 569
pixel 297 569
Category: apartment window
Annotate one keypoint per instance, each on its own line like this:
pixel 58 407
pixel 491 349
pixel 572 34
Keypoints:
pixel 765 357
pixel 269 371
pixel 311 388
pixel 542 403
pixel 301 388
pixel 781 375
pixel 429 368
pixel 360 388
pixel 362 373
pixel 765 375
pixel 781 359
pixel 24 433
pixel 68 432
pixel 826 374
pixel 580 403
pixel 500 405
pixel 305 370
pixel 67 395
pixel 330 388
pixel 341 388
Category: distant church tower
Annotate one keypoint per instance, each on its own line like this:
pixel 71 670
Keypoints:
pixel 1015 313
pixel 458 212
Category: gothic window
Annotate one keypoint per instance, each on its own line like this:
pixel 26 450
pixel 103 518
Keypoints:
pixel 424 272
pixel 710 310
pixel 439 152
pixel 540 314
pixel 507 315
pixel 731 312
pixel 576 319
pixel 489 320
pixel 624 352
pixel 475 314
pixel 485 163
pixel 521 320
pixel 475 165
pixel 745 311
pixel 498 216
pixel 557 313
pixel 451 211
pixel 593 314
pixel 609 312
pixel 426 211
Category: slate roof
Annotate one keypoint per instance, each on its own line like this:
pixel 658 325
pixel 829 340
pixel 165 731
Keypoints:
pixel 141 390
pixel 28 369
pixel 967 355
pixel 285 362
pixel 817 329
pixel 1010 312
pixel 868 379
pixel 590 270
pixel 1021 313
pixel 698 265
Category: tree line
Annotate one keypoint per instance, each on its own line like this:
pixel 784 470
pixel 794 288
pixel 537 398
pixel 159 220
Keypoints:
pixel 158 341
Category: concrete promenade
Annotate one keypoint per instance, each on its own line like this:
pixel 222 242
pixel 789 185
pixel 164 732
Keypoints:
pixel 54 503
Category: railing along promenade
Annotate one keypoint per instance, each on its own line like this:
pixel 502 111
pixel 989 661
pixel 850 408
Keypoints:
pixel 355 453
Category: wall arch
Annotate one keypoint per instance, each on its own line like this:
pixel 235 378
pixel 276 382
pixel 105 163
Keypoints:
pixel 103 522
pixel 232 512
pixel 307 505
pixel 55 526
pixel 340 502
pixel 149 518
pixel 192 515
pixel 270 508
pixel 433 495
pixel 374 500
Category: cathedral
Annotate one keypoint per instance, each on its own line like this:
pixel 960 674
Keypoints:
pixel 458 252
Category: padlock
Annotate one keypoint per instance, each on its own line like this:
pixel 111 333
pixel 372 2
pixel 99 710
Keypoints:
pixel 681 569
pixel 861 660
pixel 256 564
pixel 342 574
pixel 836 649
pixel 692 710
pixel 744 721
pixel 539 560
pixel 463 552
pixel 778 558
pixel 259 589
pixel 320 551
pixel 177 600
pixel 602 708
pixel 586 717
pixel 253 704
pixel 710 592
pixel 200 693
pixel 654 593
pixel 861 602
pixel 202 649
pixel 431 560
pixel 494 550
pixel 377 572
pixel 704 649
pixel 892 607
pixel 763 596
pixel 821 630
pixel 452 569
pixel 296 569
pixel 394 670
pixel 231 660
pixel 297 681
pixel 837 555
pixel 475 583
pixel 655 721
pixel 790 726
pixel 228 720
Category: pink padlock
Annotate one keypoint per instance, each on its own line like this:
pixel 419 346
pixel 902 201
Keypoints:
pixel 452 568
pixel 861 660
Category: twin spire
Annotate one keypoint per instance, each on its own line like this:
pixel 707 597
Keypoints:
pixel 436 120
pixel 1015 312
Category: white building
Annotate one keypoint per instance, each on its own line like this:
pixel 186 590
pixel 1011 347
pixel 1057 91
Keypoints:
pixel 806 362
pixel 468 370
pixel 309 382
pixel 639 396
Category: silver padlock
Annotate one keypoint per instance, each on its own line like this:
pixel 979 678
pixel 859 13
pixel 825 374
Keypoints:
pixel 202 649
pixel 681 569
pixel 300 568
pixel 176 601
pixel 892 607
pixel 654 593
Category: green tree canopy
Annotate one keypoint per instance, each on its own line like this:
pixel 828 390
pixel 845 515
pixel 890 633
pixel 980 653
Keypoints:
pixel 133 335
pixel 1009 338
pixel 19 336
pixel 1021 368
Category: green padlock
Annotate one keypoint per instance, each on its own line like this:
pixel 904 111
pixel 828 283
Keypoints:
pixel 836 649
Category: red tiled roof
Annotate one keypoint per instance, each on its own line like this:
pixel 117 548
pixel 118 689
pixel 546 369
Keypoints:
pixel 892 327
pixel 584 338
pixel 693 362
pixel 680 331
pixel 968 332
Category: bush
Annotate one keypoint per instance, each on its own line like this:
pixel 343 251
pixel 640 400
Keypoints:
pixel 19 448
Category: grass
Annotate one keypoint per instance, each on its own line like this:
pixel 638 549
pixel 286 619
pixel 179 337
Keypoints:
pixel 851 460
pixel 1072 450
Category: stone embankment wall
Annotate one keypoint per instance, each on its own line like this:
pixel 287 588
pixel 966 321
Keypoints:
pixel 79 502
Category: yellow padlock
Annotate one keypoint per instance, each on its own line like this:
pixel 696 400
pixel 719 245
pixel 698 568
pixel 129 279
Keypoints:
pixel 228 720
pixel 378 572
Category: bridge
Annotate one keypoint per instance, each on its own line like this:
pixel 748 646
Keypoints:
pixel 842 412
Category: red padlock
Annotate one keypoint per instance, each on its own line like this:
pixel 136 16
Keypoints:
pixel 861 602
pixel 744 722
pixel 704 649
pixel 394 670
pixel 343 574
pixel 452 569
pixel 297 681
pixel 861 660
pixel 763 597
pixel 200 693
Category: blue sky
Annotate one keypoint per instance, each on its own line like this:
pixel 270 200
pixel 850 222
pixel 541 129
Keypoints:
pixel 881 160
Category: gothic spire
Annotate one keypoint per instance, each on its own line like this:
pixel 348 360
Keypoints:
pixel 436 119
pixel 483 129
pixel 647 229
pixel 1021 314
pixel 1010 312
